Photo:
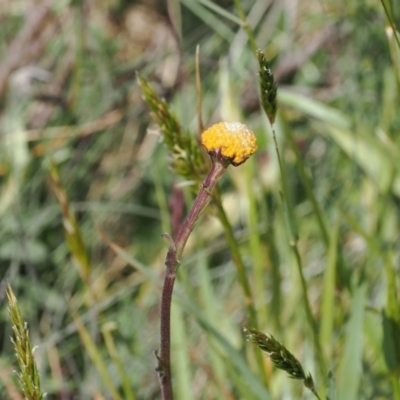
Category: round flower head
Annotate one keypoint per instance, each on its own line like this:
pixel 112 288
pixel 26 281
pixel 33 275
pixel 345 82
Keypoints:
pixel 232 140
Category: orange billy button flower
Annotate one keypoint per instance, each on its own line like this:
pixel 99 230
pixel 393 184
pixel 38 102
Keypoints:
pixel 232 140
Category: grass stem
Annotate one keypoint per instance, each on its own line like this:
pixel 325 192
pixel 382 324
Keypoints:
pixel 246 26
pixel 293 242
pixel 242 276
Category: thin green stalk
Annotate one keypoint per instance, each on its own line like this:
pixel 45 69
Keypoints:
pixel 309 315
pixel 222 144
pixel 327 310
pixel 238 261
pixel 71 227
pixel 293 244
pixel 255 243
pixel 209 18
pixel 208 302
pixel 307 185
pixel 246 26
pixel 269 103
pixel 392 311
pixel 242 276
pixel 394 380
pixel 276 280
pixel 221 11
pixel 106 330
pixel 232 243
pixel 389 16
pixel 181 366
pixel 96 357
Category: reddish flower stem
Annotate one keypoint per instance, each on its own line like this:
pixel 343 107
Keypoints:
pixel 172 263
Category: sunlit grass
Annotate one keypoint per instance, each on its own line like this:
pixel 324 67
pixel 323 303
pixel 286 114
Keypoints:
pixel 307 248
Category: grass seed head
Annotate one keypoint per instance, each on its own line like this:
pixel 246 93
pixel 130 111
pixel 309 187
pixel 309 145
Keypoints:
pixel 28 374
pixel 186 157
pixel 268 88
pixel 281 357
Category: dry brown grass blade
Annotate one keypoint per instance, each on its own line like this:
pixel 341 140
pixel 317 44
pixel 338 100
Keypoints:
pixel 71 228
pixel 123 254
pixel 57 137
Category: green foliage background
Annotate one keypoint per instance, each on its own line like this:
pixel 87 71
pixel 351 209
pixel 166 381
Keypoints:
pixel 86 190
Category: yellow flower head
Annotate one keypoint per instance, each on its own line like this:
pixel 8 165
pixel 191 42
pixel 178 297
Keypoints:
pixel 233 140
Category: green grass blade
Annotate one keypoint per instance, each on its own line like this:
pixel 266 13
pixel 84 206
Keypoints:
pixel 210 19
pixel 208 301
pixel 241 273
pixel 180 354
pixel 367 152
pixel 258 260
pixel 350 367
pixel 241 384
pixel 394 47
pixel 391 326
pixel 246 26
pixel 96 357
pixel 328 293
pixel 233 355
pixel 331 387
pixel 286 190
pixel 321 219
pixel 106 330
pixel 72 230
pixel 220 11
pixel 313 108
pixel 392 301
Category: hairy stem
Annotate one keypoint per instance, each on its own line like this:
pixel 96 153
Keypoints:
pixel 172 263
pixel 164 359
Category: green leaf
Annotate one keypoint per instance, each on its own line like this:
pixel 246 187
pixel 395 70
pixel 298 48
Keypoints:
pixel 331 392
pixel 180 354
pixel 313 108
pixel 328 291
pixel 350 367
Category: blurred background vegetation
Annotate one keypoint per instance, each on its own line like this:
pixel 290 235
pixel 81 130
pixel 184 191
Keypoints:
pixel 86 191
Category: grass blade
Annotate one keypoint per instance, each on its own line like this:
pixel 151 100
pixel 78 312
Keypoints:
pixel 106 330
pixel 180 354
pixel 391 327
pixel 233 355
pixel 350 368
pixel 328 293
pixel 97 359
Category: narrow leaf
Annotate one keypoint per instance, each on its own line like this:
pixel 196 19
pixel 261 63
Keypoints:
pixel 350 368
